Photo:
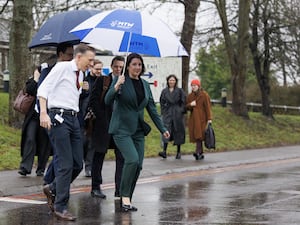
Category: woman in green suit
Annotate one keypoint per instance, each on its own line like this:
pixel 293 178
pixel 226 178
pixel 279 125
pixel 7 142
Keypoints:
pixel 130 94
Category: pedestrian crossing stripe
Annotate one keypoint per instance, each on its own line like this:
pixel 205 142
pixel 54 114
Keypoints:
pixel 32 198
pixel 22 200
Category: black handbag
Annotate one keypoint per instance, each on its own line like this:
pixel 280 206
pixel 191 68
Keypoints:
pixel 210 139
pixel 146 128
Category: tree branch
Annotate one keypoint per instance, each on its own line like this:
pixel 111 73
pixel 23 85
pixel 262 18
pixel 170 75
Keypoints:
pixel 4 6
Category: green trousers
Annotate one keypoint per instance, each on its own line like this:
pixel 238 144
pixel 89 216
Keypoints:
pixel 132 149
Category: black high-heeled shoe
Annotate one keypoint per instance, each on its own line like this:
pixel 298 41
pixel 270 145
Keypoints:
pixel 127 208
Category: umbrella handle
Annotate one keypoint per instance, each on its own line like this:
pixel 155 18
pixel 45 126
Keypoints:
pixel 120 90
pixel 123 73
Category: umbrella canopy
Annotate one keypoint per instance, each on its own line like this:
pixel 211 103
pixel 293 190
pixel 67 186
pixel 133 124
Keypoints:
pixel 123 30
pixel 56 29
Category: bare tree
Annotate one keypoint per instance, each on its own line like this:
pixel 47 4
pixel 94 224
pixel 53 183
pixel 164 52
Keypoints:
pixel 19 56
pixel 188 30
pixel 237 53
pixel 260 48
pixel 5 4
pixel 285 49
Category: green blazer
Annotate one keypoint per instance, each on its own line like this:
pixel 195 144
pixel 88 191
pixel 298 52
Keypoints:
pixel 127 114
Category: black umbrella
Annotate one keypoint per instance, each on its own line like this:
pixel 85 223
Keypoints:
pixel 56 29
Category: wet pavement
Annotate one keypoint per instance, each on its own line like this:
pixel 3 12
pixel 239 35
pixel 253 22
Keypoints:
pixel 241 187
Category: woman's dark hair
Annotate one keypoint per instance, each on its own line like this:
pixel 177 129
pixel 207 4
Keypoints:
pixel 170 76
pixel 132 56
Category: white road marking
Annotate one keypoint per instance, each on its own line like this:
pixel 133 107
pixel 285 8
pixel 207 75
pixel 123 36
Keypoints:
pixel 22 200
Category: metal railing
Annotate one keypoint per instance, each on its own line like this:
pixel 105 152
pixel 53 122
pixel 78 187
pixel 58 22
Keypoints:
pixel 257 107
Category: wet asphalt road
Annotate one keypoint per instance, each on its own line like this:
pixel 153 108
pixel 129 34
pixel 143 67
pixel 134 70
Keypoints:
pixel 244 194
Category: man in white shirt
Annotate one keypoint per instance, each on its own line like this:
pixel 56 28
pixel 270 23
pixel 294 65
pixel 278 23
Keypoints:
pixel 59 104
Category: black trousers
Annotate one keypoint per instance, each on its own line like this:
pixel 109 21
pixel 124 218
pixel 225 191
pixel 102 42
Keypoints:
pixel 88 151
pixel 36 143
pixel 97 165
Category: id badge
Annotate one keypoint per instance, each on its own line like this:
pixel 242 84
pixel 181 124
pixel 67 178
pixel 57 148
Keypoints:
pixel 59 118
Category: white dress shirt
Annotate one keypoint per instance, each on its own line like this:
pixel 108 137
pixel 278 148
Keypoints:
pixel 59 87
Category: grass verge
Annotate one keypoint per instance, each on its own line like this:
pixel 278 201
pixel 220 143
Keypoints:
pixel 232 133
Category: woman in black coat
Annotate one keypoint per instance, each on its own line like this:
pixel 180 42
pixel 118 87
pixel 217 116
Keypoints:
pixel 34 140
pixel 172 103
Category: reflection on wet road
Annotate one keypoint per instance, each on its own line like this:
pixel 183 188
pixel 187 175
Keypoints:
pixel 262 193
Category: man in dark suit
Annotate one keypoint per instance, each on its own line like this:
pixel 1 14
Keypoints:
pixel 101 140
pixel 90 78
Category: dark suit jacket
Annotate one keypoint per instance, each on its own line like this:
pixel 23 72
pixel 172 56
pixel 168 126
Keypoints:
pixel 84 99
pixel 101 139
pixel 127 114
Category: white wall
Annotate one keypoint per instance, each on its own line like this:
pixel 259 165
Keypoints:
pixel 160 68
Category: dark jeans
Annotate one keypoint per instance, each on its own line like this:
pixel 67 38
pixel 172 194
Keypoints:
pixel 67 144
pixel 50 173
pixel 51 169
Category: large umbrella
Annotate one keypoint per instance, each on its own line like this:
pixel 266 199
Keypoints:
pixel 123 30
pixel 56 29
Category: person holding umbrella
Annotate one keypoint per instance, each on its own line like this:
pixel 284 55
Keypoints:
pixel 59 96
pixel 127 125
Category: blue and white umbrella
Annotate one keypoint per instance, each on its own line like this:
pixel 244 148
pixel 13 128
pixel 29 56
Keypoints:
pixel 123 30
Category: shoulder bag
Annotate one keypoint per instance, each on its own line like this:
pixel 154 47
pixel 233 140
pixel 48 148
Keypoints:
pixel 23 102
